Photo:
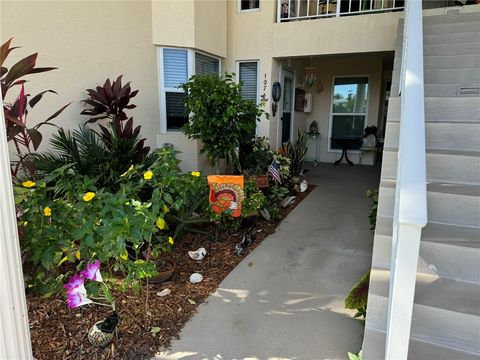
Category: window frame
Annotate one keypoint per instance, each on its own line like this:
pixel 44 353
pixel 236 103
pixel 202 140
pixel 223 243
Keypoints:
pixel 330 119
pixel 163 90
pixel 239 7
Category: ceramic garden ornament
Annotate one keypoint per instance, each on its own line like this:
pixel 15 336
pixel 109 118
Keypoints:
pixel 198 254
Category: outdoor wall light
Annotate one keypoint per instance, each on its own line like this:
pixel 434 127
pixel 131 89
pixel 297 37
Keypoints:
pixel 276 94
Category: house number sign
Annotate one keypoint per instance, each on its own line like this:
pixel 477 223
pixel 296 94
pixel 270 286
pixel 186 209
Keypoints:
pixel 264 88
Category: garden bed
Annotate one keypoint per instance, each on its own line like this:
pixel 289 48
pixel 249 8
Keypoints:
pixel 59 333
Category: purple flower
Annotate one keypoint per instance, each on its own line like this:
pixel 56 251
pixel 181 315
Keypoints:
pixel 77 299
pixel 92 272
pixel 75 285
pixel 76 292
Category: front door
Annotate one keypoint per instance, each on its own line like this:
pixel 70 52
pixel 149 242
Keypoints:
pixel 287 106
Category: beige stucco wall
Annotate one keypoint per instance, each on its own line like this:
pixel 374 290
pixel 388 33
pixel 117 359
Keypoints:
pixel 197 24
pixel 88 42
pixel 343 35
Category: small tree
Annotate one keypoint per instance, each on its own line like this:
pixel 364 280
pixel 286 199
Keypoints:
pixel 219 116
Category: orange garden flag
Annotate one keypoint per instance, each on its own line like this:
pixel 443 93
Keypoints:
pixel 226 194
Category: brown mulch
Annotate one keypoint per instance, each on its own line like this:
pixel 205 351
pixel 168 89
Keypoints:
pixel 59 333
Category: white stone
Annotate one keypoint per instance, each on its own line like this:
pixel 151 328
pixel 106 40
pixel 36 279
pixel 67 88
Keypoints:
pixel 164 292
pixel 196 278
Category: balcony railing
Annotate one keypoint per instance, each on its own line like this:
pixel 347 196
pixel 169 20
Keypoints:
pixel 290 10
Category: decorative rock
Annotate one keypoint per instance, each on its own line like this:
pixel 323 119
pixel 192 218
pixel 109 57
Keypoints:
pixel 164 292
pixel 198 255
pixel 196 278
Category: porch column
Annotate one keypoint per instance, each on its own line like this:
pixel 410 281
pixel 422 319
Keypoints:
pixel 14 329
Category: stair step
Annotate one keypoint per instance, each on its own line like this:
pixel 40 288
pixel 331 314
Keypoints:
pixel 451 90
pixel 374 348
pixel 471 37
pixel 446 62
pixel 461 48
pixel 432 290
pixel 459 18
pixel 449 234
pixel 457 333
pixel 454 109
pixel 451 28
pixel 435 260
pixel 447 203
pixel 441 167
pixel 452 76
pixel 438 135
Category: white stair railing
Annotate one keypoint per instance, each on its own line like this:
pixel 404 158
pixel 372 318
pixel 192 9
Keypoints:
pixel 14 328
pixel 410 213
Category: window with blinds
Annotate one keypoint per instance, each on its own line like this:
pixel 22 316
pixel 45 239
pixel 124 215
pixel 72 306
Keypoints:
pixel 248 76
pixel 175 72
pixel 206 64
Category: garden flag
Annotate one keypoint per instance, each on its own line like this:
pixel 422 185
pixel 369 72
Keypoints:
pixel 226 194
pixel 274 171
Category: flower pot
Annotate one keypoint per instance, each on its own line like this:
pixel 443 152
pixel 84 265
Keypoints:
pixel 101 333
pixel 262 181
pixel 165 269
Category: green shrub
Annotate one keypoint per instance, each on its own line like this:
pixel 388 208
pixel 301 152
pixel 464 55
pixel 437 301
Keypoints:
pixel 219 116
pixel 358 296
pixel 65 219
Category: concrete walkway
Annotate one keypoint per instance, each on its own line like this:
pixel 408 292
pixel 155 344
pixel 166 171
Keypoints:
pixel 285 300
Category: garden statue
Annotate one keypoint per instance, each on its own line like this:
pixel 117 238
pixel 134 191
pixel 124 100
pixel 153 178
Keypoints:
pixel 198 254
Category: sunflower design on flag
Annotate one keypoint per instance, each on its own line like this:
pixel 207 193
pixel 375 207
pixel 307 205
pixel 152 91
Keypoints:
pixel 226 194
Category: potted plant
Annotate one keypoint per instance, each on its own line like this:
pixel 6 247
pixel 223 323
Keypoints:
pixel 297 151
pixel 255 158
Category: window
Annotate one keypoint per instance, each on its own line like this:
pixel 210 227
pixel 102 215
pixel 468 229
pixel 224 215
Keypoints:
pixel 206 64
pixel 349 109
pixel 176 68
pixel 175 72
pixel 249 5
pixel 247 72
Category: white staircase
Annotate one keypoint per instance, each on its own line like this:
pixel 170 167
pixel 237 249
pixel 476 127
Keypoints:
pixel 446 312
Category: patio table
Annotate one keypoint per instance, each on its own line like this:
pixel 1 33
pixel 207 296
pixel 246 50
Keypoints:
pixel 346 143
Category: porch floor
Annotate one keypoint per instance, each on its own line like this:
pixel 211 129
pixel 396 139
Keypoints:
pixel 285 300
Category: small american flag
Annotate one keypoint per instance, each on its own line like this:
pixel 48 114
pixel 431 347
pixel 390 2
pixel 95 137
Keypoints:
pixel 274 171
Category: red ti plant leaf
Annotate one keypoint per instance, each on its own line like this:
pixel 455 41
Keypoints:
pixel 35 136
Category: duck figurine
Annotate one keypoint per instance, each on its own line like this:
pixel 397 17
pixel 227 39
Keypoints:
pixel 101 333
pixel 198 254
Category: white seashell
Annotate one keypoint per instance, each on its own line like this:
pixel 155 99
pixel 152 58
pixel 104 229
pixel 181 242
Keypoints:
pixel 303 186
pixel 198 255
pixel 164 292
pixel 196 278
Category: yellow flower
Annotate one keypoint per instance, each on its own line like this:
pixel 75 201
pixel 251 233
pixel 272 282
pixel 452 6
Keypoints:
pixel 160 223
pixel 170 240
pixel 77 254
pixel 47 211
pixel 165 209
pixel 195 173
pixel 28 184
pixel 88 196
pixel 126 172
pixel 148 175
